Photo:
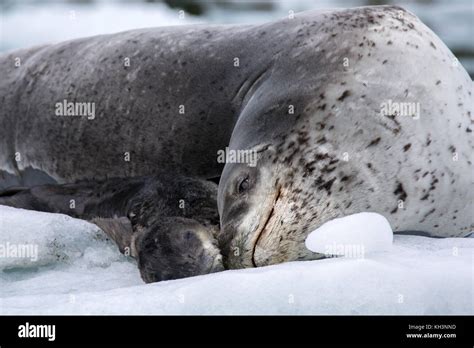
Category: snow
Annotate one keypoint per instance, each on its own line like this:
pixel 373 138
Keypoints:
pixel 28 23
pixel 418 275
pixel 34 23
pixel 48 239
pixel 352 235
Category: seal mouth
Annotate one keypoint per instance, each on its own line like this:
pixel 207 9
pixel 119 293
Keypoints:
pixel 266 220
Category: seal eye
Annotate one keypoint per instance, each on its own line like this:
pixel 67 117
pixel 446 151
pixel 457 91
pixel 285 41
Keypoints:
pixel 188 235
pixel 243 185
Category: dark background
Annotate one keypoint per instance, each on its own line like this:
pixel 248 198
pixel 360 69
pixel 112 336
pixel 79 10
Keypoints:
pixel 26 23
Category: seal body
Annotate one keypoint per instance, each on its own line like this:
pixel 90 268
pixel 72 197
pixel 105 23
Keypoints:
pixel 168 223
pixel 164 99
pixel 348 110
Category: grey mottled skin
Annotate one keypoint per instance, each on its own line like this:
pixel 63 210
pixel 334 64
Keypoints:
pixel 397 166
pixel 137 107
pixel 337 155
pixel 168 223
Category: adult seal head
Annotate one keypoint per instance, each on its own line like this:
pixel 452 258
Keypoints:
pixel 364 110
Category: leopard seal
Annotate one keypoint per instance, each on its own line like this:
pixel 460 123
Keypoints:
pixel 304 93
pixel 166 222
pixel 351 144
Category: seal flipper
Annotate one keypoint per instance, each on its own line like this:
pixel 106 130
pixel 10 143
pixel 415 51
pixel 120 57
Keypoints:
pixel 69 199
pixel 12 191
pixel 84 200
pixel 20 197
pixel 120 230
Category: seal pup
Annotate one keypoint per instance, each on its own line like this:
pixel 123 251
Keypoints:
pixel 167 223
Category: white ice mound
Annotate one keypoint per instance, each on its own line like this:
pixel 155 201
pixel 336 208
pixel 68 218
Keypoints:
pixel 31 239
pixel 352 235
pixel 418 275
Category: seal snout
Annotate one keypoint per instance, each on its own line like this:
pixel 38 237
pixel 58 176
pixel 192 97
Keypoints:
pixel 217 264
pixel 176 247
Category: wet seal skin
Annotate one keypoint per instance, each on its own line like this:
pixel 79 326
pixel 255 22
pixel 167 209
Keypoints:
pixel 167 223
pixel 321 96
